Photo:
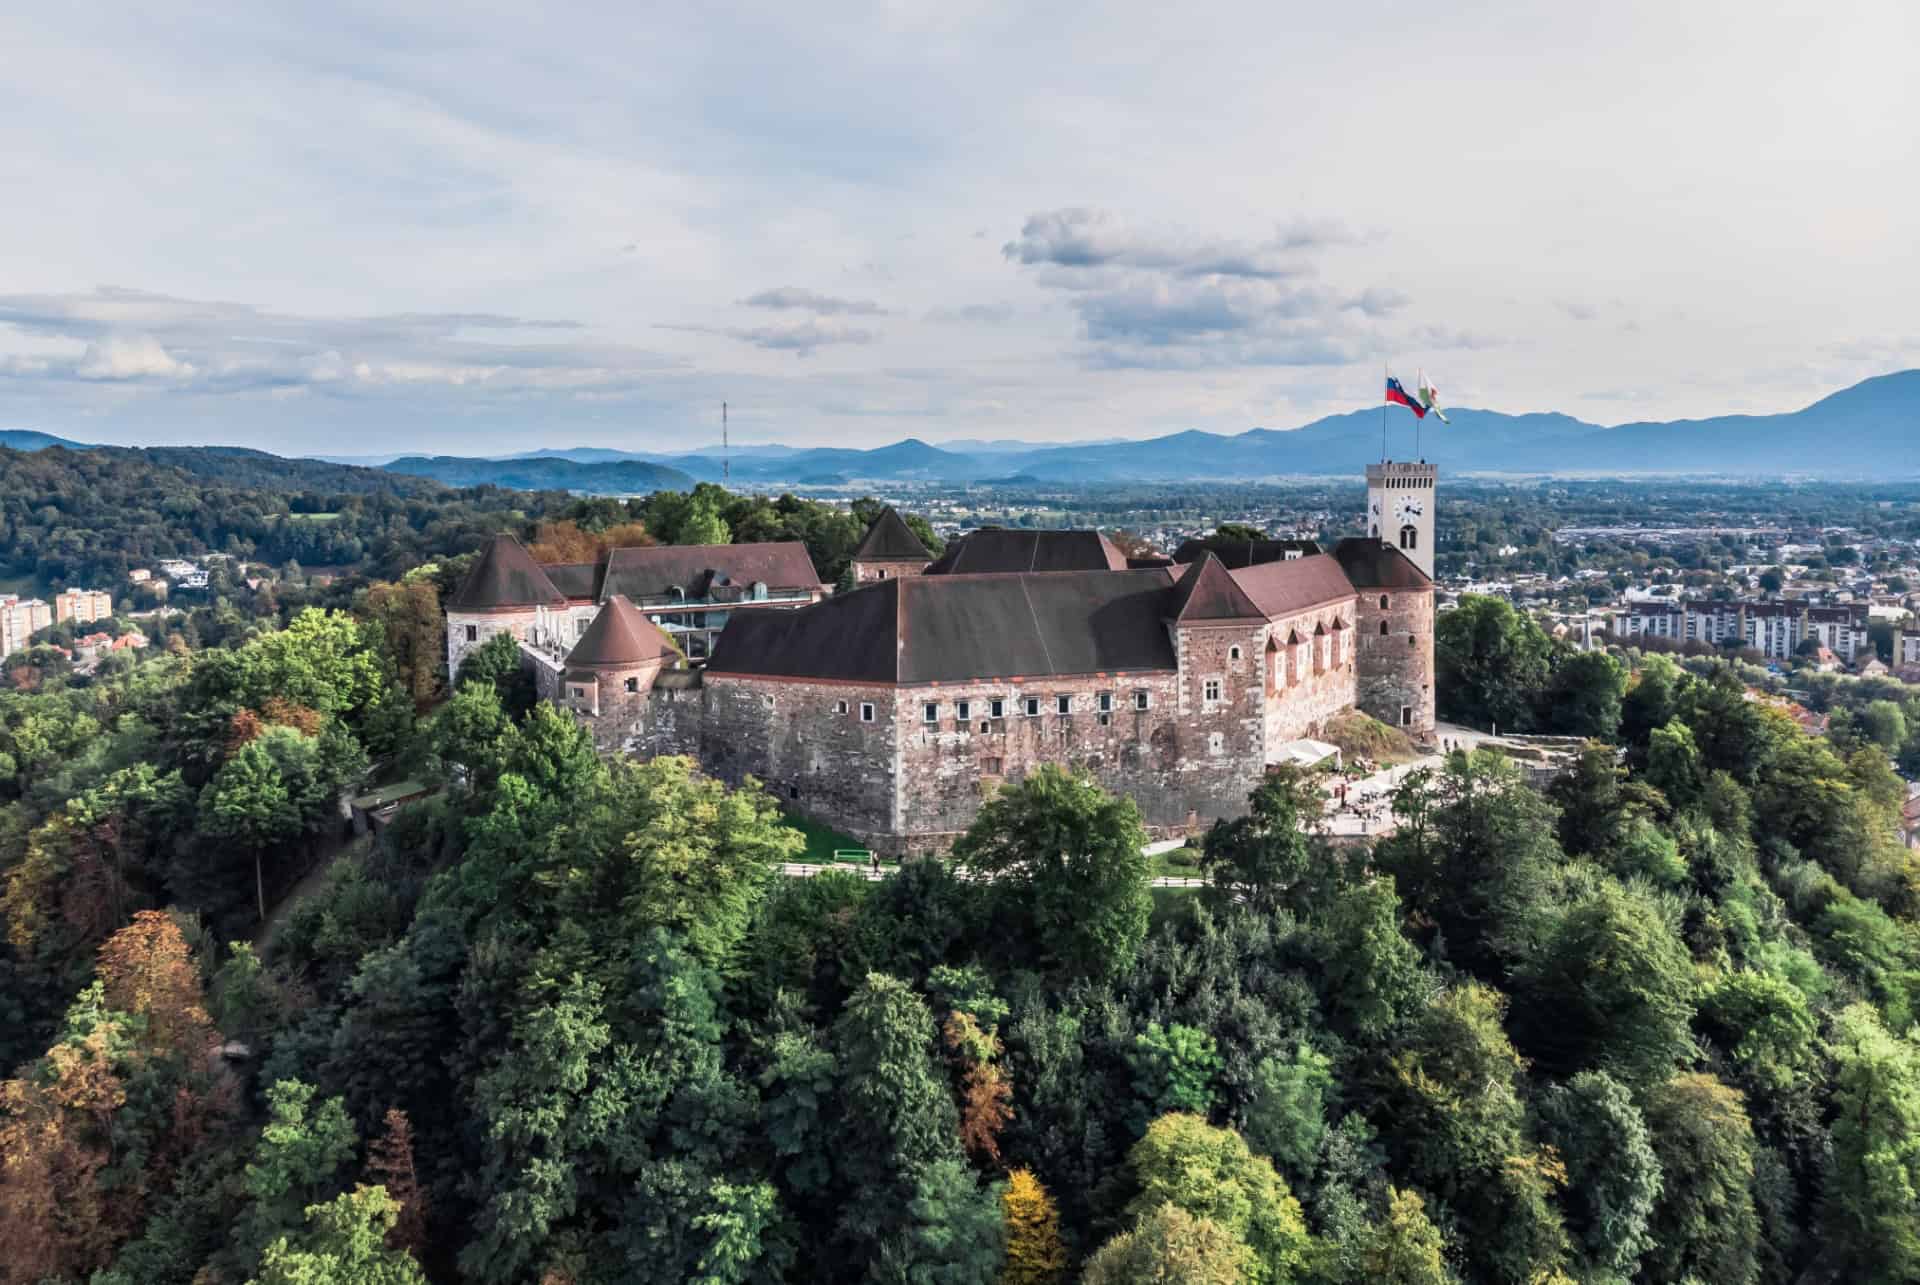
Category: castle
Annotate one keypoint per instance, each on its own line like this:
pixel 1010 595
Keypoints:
pixel 892 710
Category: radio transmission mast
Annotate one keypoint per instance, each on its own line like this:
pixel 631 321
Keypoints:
pixel 726 455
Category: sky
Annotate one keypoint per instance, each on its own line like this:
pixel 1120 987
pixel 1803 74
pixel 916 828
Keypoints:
pixel 487 227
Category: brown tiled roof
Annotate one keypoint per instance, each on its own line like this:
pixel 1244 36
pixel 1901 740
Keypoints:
pixel 1373 564
pixel 890 539
pixel 1246 553
pixel 658 569
pixel 1000 552
pixel 620 637
pixel 951 628
pixel 505 576
pixel 575 579
pixel 1282 588
pixel 1207 592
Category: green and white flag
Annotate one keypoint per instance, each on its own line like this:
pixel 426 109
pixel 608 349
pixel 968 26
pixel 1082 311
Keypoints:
pixel 1429 396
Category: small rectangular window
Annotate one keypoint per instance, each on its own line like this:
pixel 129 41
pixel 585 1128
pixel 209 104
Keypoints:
pixel 1216 743
pixel 473 633
pixel 1210 691
pixel 930 712
pixel 1106 702
pixel 1033 707
pixel 962 711
pixel 1143 699
pixel 1063 704
pixel 996 709
pixel 866 712
pixel 633 684
pixel 839 707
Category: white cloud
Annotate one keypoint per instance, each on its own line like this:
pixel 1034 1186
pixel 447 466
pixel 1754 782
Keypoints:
pixel 129 357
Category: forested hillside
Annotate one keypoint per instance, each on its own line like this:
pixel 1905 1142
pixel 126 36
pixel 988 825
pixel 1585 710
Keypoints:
pixel 564 1022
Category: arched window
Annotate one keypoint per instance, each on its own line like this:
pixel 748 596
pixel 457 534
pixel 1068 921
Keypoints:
pixel 1409 538
pixel 1383 602
pixel 1233 653
pixel 1373 531
pixel 1383 629
pixel 1412 641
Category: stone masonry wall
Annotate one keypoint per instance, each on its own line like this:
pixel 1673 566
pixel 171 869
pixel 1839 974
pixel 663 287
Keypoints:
pixel 1311 682
pixel 485 624
pixel 867 572
pixel 810 745
pixel 1396 668
pixel 1157 756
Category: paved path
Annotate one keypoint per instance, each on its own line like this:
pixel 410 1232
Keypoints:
pixel 1370 799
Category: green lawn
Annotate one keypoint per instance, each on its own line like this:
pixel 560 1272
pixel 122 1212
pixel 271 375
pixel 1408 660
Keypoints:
pixel 1181 863
pixel 821 840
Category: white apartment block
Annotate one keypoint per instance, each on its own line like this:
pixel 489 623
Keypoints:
pixel 1775 629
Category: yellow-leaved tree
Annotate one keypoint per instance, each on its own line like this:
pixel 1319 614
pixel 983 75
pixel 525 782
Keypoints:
pixel 1035 1253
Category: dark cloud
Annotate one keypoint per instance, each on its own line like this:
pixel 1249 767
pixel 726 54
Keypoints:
pixel 793 297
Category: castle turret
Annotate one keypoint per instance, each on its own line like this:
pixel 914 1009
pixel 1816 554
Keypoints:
pixel 889 550
pixel 505 592
pixel 614 664
pixel 1400 498
pixel 1393 634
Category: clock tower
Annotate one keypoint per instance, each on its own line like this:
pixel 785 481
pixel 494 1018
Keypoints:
pixel 1400 509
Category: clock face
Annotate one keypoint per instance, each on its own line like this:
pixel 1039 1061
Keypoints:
pixel 1407 510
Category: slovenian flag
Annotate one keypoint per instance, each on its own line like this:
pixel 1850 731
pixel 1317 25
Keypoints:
pixel 1398 396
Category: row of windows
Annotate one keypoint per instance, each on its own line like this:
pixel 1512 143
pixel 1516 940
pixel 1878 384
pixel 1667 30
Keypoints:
pixel 1030 706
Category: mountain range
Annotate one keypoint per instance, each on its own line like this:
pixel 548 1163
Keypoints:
pixel 1871 429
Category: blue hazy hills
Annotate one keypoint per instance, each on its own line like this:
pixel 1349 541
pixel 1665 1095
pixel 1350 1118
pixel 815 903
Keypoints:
pixel 1871 429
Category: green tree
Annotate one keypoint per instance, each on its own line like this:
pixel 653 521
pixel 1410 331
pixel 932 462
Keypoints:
pixel 897 1115
pixel 1884 724
pixel 1265 858
pixel 345 1243
pixel 498 664
pixel 1583 697
pixel 1173 1068
pixel 1404 1248
pixel 1211 1174
pixel 1704 1225
pixel 1613 1176
pixel 1371 976
pixel 1171 1245
pixel 248 803
pixel 1651 701
pixel 1611 987
pixel 301 1151
pixel 953 1233
pixel 1673 763
pixel 1873 1195
pixel 1285 1117
pixel 1492 664
pixel 1066 861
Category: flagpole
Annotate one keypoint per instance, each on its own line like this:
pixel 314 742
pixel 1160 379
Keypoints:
pixel 1385 374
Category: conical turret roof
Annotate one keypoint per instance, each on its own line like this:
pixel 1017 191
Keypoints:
pixel 505 576
pixel 620 637
pixel 890 539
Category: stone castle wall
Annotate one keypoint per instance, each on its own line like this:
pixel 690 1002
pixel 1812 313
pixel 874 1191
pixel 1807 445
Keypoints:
pixel 484 625
pixel 1396 667
pixel 868 572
